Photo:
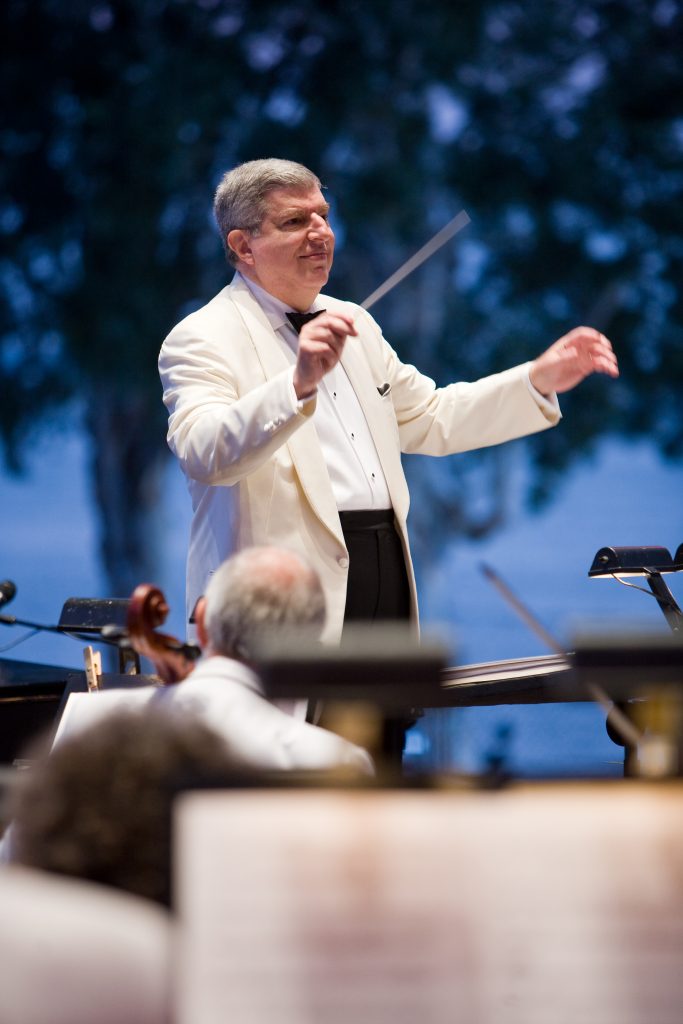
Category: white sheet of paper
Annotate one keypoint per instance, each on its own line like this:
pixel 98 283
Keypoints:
pixel 537 905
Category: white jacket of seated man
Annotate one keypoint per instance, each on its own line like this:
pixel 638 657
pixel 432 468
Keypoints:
pixel 260 589
pixel 227 695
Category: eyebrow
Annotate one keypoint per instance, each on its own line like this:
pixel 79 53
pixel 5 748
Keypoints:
pixel 323 207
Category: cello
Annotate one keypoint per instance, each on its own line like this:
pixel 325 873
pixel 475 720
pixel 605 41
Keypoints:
pixel 172 659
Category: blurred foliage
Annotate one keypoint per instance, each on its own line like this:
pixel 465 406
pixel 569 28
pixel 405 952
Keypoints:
pixel 558 127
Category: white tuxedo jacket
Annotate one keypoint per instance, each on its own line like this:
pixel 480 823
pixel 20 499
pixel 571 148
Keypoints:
pixel 227 696
pixel 253 463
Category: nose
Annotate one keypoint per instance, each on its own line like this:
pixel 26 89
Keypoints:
pixel 319 227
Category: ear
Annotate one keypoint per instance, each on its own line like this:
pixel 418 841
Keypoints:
pixel 200 622
pixel 239 242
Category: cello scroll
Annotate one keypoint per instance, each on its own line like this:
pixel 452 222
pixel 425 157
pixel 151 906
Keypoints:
pixel 148 609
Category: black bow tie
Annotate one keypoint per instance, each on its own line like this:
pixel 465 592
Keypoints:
pixel 297 320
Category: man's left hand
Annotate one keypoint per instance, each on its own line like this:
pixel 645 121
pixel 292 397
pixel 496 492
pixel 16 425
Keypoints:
pixel 572 358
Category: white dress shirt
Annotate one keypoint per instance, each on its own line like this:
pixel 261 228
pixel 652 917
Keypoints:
pixel 356 475
pixel 357 478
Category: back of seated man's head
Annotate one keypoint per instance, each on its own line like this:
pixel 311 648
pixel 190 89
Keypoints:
pixel 99 807
pixel 262 591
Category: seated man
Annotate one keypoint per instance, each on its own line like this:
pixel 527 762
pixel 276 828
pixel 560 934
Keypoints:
pixel 258 591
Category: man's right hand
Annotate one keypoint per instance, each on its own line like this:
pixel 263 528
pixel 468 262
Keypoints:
pixel 321 344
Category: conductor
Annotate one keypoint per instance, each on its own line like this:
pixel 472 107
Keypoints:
pixel 289 411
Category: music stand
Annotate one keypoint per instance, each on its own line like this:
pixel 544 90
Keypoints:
pixel 377 676
pixel 93 618
pixel 649 562
pixel 385 664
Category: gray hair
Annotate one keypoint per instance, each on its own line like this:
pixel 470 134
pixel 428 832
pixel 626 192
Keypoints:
pixel 261 591
pixel 240 200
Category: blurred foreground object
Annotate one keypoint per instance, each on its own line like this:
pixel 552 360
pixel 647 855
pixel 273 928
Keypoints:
pixel 398 906
pixel 76 953
pixel 643 674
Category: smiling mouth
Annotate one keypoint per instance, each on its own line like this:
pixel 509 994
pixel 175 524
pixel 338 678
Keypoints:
pixel 320 254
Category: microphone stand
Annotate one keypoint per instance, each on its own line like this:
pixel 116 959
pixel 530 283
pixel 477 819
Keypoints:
pixel 40 627
pixel 112 636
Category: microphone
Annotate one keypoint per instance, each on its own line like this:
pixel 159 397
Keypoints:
pixel 7 591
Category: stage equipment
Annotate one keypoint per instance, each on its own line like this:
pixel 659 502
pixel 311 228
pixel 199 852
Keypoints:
pixel 385 664
pixel 378 672
pixel 103 620
pixel 650 562
pixel 645 674
pixel 616 719
pixel 86 618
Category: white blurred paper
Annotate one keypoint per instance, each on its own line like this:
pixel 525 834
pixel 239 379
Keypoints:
pixel 541 905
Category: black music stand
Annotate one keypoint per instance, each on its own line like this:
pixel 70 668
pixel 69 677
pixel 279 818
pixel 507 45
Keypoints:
pixel 103 619
pixel 649 562
pixel 373 684
pixel 384 664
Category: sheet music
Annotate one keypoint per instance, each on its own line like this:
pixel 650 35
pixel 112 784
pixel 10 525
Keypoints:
pixel 544 904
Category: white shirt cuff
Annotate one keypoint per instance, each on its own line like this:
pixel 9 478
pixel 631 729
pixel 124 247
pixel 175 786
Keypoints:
pixel 299 404
pixel 548 404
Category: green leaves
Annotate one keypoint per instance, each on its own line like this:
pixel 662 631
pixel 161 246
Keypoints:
pixel 557 126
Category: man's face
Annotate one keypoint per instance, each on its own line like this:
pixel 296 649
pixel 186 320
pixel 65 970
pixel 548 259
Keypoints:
pixel 291 256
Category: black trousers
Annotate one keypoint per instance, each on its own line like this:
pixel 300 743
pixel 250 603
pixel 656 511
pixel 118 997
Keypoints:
pixel 377 586
pixel 378 590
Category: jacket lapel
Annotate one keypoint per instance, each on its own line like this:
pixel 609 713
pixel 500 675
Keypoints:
pixel 266 345
pixel 303 446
